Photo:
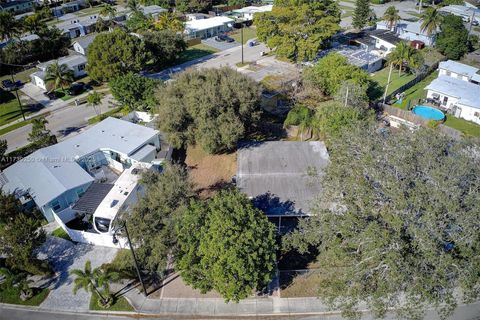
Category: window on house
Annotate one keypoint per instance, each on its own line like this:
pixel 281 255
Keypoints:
pixel 81 67
pixel 477 114
pixel 55 205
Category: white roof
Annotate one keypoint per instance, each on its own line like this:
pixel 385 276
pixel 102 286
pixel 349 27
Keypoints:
pixel 457 67
pixel 71 61
pixel 459 10
pixel 254 9
pixel 204 24
pixel 466 92
pixel 49 172
pixel 415 27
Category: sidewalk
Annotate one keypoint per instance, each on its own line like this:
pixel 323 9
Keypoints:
pixel 49 106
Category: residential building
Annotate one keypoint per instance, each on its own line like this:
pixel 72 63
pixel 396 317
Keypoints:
pixel 459 97
pixel 88 179
pixel 209 27
pixel 154 11
pixel 459 70
pixel 465 12
pixel 76 63
pixel 18 6
pixel 359 57
pixel 69 7
pixel 27 38
pixel 385 40
pixel 75 26
pixel 410 31
pixel 81 44
pixel 247 13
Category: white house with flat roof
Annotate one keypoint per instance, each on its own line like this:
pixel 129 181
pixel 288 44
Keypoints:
pixel 76 63
pixel 81 44
pixel 247 13
pixel 409 30
pixel 459 70
pixel 460 97
pixel 92 174
pixel 207 28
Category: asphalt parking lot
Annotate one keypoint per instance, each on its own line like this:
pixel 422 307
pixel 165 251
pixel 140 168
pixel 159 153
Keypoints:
pixel 220 45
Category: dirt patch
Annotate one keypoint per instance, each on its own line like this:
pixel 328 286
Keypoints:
pixel 210 173
pixel 174 287
pixel 296 284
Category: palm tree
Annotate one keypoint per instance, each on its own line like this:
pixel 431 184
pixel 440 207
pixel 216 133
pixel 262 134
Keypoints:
pixel 9 27
pixel 402 55
pixel 93 281
pixel 431 21
pixel 34 24
pixel 109 11
pixel 58 75
pixel 93 100
pixel 133 5
pixel 169 21
pixel 391 16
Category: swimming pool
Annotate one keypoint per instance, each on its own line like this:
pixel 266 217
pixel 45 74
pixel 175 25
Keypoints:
pixel 428 113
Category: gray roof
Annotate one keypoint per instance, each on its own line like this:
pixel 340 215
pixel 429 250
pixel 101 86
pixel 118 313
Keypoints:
pixel 458 67
pixel 49 172
pixel 276 175
pixel 84 42
pixel 466 92
pixel 153 9
pixel 71 61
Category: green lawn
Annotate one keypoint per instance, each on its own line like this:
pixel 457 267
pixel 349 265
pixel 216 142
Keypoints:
pixel 103 116
pixel 12 295
pixel 9 108
pixel 59 232
pixel 396 80
pixel 417 92
pixel 195 52
pixel 14 127
pixel 24 76
pixel 120 305
pixel 468 128
pixel 248 33
pixel 88 11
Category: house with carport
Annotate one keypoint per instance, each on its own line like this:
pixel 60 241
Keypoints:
pixel 76 63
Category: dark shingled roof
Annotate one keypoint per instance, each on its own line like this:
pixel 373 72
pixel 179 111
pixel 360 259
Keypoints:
pixel 385 35
pixel 92 197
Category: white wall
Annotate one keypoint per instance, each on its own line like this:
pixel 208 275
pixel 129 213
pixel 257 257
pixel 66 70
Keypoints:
pixel 39 82
pixel 443 72
pixel 467 113
pixel 450 102
pixel 379 43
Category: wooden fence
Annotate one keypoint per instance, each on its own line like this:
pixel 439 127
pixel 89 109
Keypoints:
pixel 413 118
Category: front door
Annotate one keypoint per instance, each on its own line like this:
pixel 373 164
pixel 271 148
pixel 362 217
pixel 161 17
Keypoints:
pixel 458 111
pixel 445 100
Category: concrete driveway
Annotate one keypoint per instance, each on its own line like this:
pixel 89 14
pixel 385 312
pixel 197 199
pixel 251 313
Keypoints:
pixel 220 45
pixel 64 256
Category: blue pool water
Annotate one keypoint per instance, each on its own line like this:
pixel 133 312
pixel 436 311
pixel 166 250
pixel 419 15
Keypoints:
pixel 428 113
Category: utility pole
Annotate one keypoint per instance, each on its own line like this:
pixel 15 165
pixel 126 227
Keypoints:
pixel 241 40
pixel 18 98
pixel 471 24
pixel 135 261
pixel 346 96
pixel 388 83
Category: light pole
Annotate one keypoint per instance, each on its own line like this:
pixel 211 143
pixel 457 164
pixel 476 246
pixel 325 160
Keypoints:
pixel 18 98
pixel 135 261
pixel 241 40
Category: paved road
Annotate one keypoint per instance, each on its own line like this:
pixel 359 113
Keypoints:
pixel 63 123
pixel 469 312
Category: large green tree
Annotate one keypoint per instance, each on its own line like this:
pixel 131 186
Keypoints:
pixel 226 245
pixel 391 16
pixel 214 108
pixel 331 71
pixel 115 53
pixel 431 21
pixel 298 30
pixel 405 57
pixel 193 5
pixel 58 76
pixel 361 14
pixel 134 91
pixel 151 223
pixel 452 40
pixel 397 222
pixel 165 46
pixel 9 26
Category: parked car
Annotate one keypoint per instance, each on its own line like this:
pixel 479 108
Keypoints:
pixel 76 88
pixel 252 43
pixel 50 95
pixel 223 37
pixel 9 85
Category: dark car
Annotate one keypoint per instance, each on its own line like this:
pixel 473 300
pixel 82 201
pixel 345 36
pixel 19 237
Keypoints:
pixel 50 95
pixel 76 88
pixel 9 85
pixel 222 38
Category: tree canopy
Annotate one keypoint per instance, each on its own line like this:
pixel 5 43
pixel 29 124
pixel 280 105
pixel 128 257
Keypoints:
pixel 165 46
pixel 115 53
pixel 361 14
pixel 298 30
pixel 151 223
pixel 134 91
pixel 397 222
pixel 452 40
pixel 226 245
pixel 332 70
pixel 212 107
